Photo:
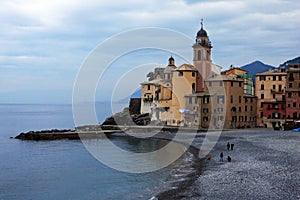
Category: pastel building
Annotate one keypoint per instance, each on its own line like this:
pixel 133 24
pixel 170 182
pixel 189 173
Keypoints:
pixel 271 93
pixel 293 92
pixel 197 95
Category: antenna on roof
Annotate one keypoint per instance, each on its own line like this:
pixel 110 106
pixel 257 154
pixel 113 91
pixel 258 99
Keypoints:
pixel 201 23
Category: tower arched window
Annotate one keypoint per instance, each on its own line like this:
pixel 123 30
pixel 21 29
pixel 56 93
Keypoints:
pixel 199 54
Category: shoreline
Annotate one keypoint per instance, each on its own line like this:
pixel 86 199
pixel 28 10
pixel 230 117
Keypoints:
pixel 264 166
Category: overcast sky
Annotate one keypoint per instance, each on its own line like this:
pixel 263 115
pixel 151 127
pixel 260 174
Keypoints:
pixel 43 43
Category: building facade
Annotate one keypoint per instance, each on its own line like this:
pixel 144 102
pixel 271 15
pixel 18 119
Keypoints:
pixel 293 92
pixel 270 90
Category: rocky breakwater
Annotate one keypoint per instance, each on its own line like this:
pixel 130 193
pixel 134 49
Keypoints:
pixel 53 134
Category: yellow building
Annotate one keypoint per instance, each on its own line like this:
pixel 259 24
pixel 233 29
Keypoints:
pixel 184 82
pixel 157 91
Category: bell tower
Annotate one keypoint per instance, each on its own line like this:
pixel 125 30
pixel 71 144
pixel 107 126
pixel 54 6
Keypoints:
pixel 202 57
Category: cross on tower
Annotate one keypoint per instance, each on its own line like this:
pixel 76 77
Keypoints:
pixel 201 22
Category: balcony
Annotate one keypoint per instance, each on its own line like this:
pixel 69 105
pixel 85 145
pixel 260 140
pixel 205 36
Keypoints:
pixel 148 100
pixel 274 91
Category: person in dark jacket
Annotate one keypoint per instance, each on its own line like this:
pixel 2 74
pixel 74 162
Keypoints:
pixel 228 146
pixel 229 159
pixel 221 157
pixel 231 146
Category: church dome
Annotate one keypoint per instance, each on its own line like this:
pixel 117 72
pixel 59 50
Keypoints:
pixel 171 58
pixel 201 33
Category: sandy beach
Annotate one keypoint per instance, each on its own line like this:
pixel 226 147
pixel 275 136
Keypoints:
pixel 265 165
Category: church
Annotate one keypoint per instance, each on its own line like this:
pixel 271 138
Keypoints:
pixel 199 95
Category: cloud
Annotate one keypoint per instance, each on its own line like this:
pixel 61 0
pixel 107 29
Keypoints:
pixel 51 38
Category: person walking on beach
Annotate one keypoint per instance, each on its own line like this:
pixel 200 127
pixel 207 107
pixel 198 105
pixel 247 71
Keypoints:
pixel 221 157
pixel 231 145
pixel 228 146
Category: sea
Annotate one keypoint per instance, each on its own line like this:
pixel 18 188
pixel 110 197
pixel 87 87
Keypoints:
pixel 64 169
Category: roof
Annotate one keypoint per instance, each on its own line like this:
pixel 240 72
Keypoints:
pixel 233 68
pixel 222 78
pixel 162 82
pixel 186 67
pixel 271 72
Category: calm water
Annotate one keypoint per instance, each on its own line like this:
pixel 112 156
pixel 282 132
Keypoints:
pixel 65 169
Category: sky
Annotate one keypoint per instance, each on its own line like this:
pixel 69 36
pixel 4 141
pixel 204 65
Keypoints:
pixel 44 43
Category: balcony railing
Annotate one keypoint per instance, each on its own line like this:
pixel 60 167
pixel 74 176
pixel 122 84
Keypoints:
pixel 148 100
pixel 277 91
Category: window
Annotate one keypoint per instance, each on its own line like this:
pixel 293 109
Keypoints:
pixel 231 83
pixel 251 108
pixel 231 99
pixel 274 78
pixel 274 96
pixel 262 86
pixel 240 109
pixel 193 87
pixel 180 73
pixel 294 104
pixel 274 87
pixel 245 118
pixel 298 94
pixel 193 74
pixel 298 85
pixel 279 88
pixel 291 77
pixel 190 100
pixel 261 114
pixel 294 115
pixel 220 99
pixel 240 99
pixel 280 78
pixel 289 94
pixel 262 78
pixel 289 105
pixel 205 110
pixel 199 54
pixel 206 100
pixel 196 100
pixel 246 108
pixel 262 96
pixel 240 84
pixel 246 99
pixel 290 85
pixel 148 87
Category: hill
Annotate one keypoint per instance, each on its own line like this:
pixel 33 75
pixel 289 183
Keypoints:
pixel 293 61
pixel 256 67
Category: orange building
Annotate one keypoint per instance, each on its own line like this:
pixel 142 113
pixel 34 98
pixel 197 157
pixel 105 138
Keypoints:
pixel 270 90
